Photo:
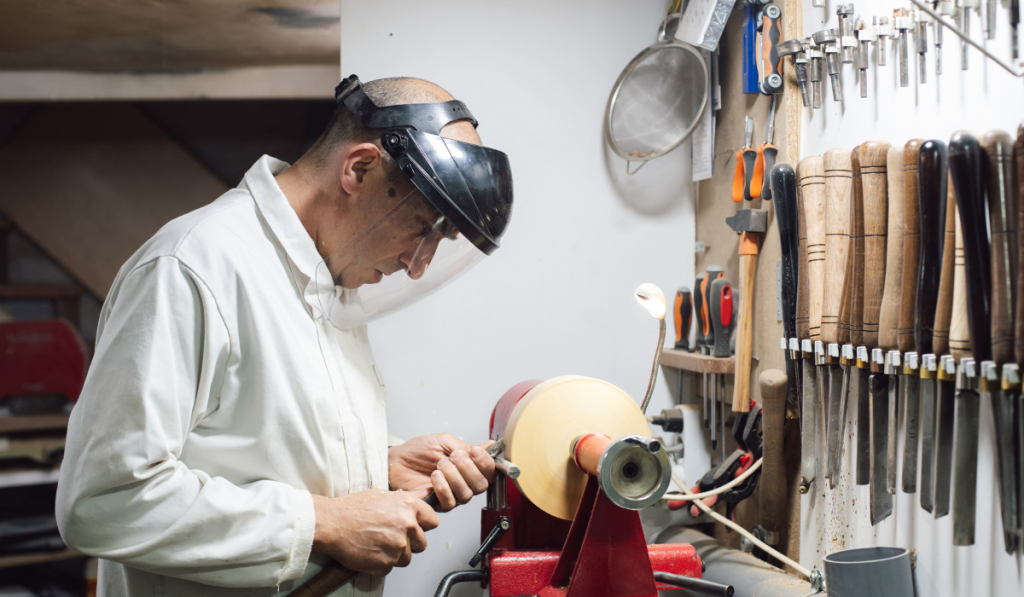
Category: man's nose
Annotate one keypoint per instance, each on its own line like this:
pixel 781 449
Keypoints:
pixel 417 261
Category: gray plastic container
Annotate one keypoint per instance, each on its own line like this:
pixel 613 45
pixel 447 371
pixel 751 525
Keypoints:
pixel 869 572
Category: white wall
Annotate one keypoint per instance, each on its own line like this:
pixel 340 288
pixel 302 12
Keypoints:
pixel 557 298
pixel 983 98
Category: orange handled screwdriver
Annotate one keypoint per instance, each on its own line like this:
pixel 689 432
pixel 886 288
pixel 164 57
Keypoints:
pixel 683 315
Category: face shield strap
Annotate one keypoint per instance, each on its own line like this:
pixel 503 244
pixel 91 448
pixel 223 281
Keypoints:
pixel 427 118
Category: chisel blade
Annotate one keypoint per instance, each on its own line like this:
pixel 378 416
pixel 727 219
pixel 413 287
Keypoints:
pixel 863 473
pixel 910 387
pixel 832 434
pixel 881 499
pixel 945 404
pixel 890 459
pixel 808 424
pixel 965 479
pixel 844 393
pixel 927 433
pixel 1005 419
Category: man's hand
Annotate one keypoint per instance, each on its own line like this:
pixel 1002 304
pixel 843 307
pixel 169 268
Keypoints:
pixel 455 470
pixel 374 530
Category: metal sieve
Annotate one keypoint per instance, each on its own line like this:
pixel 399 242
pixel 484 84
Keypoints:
pixel 658 99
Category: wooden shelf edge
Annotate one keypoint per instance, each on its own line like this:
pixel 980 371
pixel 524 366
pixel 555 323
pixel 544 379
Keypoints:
pixel 34 422
pixel 37 558
pixel 696 362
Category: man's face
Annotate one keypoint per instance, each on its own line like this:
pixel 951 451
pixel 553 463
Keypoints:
pixel 403 233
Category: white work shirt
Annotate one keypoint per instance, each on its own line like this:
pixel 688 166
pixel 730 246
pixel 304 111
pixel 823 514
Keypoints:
pixel 219 399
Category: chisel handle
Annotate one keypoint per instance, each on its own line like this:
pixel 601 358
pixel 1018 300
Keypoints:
pixel 911 247
pixel 838 193
pixel 782 179
pixel 932 178
pixel 851 305
pixel 966 164
pixel 1002 212
pixel 874 180
pixel 720 295
pixel 803 299
pixel 699 312
pixel 1019 319
pixel 959 335
pixel 810 176
pixel 774 387
pixel 889 318
pixel 682 315
pixel 944 302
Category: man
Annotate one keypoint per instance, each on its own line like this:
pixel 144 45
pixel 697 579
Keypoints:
pixel 233 419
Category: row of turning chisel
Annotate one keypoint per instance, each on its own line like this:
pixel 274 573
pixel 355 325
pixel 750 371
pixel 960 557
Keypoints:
pixel 905 266
pixel 826 51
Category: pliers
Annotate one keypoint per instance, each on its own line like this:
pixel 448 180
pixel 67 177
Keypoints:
pixel 745 162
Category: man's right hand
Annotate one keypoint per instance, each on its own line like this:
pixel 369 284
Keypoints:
pixel 374 530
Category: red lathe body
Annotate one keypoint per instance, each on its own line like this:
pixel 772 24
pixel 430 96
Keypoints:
pixel 601 553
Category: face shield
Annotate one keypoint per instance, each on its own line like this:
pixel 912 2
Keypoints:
pixel 455 214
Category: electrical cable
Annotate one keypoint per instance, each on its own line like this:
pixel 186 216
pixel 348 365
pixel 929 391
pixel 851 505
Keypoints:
pixel 742 531
pixel 675 497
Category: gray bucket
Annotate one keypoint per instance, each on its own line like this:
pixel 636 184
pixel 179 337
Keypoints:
pixel 869 572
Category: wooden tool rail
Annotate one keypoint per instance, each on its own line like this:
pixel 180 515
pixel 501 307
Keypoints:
pixel 696 362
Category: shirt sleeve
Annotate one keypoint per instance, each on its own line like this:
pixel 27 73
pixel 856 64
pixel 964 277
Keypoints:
pixel 124 494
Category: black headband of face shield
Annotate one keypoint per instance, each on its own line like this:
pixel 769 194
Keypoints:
pixel 426 118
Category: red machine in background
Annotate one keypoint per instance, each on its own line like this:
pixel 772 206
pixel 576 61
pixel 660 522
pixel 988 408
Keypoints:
pixel 602 551
pixel 42 366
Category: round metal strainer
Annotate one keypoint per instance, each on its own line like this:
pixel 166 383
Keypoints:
pixel 658 99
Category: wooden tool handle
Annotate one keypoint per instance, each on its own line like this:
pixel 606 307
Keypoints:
pixel 772 500
pixel 783 182
pixel 803 299
pixel 932 177
pixel 838 192
pixel 966 164
pixel 699 313
pixel 1019 319
pixel 959 335
pixel 874 180
pixel 325 582
pixel 1002 212
pixel 911 247
pixel 810 175
pixel 944 302
pixel 889 319
pixel 851 305
pixel 744 334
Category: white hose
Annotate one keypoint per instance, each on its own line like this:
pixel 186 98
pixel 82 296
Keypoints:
pixel 675 497
pixel 742 531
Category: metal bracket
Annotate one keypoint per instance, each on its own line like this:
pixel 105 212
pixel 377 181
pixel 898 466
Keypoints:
pixel 967 38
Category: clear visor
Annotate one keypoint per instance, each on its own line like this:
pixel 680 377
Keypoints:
pixel 408 253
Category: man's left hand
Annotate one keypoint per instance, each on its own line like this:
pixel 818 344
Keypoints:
pixel 454 469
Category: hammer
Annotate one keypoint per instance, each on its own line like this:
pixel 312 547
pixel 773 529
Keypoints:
pixel 749 224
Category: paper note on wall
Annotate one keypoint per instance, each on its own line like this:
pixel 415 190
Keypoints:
pixel 703 147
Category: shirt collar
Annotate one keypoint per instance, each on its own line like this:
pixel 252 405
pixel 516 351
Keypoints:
pixel 311 275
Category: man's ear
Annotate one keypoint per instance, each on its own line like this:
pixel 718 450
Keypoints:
pixel 358 162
